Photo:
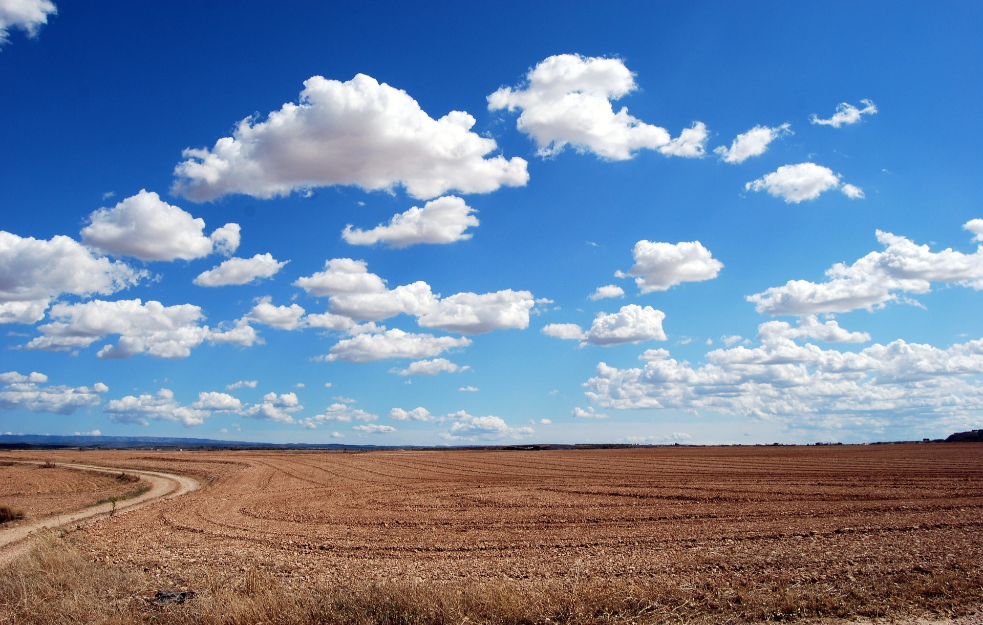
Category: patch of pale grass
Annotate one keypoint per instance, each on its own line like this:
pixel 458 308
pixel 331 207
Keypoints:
pixel 55 583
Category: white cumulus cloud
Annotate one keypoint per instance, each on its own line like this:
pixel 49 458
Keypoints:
pixel 604 292
pixel 660 266
pixel 846 114
pixel 417 414
pixel 875 279
pixel 471 313
pixel 754 142
pixel 282 317
pixel 691 142
pixel 159 407
pixel 809 327
pixel 33 272
pixel 567 101
pixel 359 133
pixel 355 293
pixel 976 227
pixel 566 331
pixel 631 324
pixel 148 228
pixel 588 413
pixel 152 328
pixel 393 343
pixel 241 271
pixel 275 407
pixel 374 428
pixel 342 276
pixel 469 427
pixel 443 220
pixel 217 402
pixel 27 15
pixel 337 412
pixel 429 367
pixel 242 384
pixel 24 392
pixel 805 181
pixel 907 384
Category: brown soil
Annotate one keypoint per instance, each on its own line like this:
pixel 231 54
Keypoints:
pixel 41 492
pixel 676 534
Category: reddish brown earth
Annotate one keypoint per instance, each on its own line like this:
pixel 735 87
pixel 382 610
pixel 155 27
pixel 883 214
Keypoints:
pixel 40 492
pixel 875 530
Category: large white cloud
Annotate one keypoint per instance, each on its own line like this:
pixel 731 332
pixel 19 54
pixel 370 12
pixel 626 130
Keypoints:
pixel 469 427
pixel 35 271
pixel 566 331
pixel 659 266
pixel 241 271
pixel 217 402
pixel 342 276
pixel 275 407
pixel 604 292
pixel 875 279
pixel 148 228
pixel 282 317
pixel 809 327
pixel 374 428
pixel 417 414
pixel 24 392
pixel 805 181
pixel 337 412
pixel 443 220
pixel 976 227
pixel 567 101
pixel 429 367
pixel 242 384
pixel 471 313
pixel 802 384
pixel 409 299
pixel 27 15
pixel 358 132
pixel 632 324
pixel 691 142
pixel 588 413
pixel 159 407
pixel 846 114
pixel 393 343
pixel 151 327
pixel 357 294
pixel 754 142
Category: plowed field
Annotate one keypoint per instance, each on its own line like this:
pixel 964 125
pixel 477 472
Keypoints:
pixel 698 533
pixel 40 492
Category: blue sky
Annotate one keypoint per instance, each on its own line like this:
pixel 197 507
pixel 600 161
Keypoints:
pixel 568 223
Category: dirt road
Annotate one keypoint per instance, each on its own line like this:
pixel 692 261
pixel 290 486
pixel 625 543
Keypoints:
pixel 162 486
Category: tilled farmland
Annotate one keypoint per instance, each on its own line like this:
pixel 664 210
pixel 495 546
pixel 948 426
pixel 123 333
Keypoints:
pixel 41 491
pixel 644 534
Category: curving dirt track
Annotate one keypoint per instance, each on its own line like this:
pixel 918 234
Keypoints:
pixel 162 486
pixel 880 530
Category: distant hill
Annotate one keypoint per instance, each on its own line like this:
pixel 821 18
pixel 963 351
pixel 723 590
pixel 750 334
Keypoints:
pixel 972 436
pixel 28 441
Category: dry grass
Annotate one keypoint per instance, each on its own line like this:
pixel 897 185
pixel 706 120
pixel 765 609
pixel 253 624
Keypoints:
pixel 10 514
pixel 128 495
pixel 127 478
pixel 55 583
